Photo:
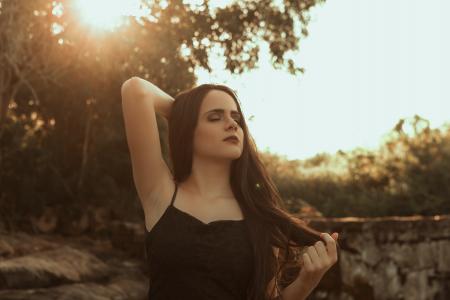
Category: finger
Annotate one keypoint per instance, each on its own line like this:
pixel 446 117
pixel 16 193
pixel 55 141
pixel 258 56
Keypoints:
pixel 335 236
pixel 307 263
pixel 330 244
pixel 315 260
pixel 321 251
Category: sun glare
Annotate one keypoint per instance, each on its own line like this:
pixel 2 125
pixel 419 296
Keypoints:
pixel 109 14
pixel 106 14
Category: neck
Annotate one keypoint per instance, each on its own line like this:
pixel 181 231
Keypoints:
pixel 209 179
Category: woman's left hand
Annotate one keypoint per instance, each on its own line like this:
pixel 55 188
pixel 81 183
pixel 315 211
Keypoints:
pixel 317 260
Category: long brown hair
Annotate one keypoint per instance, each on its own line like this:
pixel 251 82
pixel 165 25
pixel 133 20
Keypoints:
pixel 268 222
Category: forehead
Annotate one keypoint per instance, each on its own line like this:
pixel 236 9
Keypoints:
pixel 217 99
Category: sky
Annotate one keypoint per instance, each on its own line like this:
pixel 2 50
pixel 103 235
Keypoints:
pixel 368 64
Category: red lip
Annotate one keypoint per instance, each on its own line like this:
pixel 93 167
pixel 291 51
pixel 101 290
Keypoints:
pixel 231 138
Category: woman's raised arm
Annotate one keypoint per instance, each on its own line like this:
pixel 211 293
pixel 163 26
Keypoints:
pixel 140 100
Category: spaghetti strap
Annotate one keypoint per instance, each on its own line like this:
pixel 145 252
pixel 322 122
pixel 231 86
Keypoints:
pixel 174 194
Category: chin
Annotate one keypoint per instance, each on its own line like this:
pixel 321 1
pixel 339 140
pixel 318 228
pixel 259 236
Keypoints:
pixel 230 154
pixel 233 157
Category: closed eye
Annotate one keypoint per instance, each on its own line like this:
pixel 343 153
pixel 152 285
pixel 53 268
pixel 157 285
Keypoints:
pixel 238 119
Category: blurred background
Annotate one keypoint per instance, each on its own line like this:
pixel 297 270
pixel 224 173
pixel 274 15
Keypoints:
pixel 348 103
pixel 354 121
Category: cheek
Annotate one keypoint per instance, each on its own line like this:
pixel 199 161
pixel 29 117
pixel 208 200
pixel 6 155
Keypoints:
pixel 206 133
pixel 205 137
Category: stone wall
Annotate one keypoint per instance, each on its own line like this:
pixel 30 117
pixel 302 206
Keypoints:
pixel 388 258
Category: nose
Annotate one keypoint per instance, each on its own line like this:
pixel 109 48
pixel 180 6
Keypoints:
pixel 231 123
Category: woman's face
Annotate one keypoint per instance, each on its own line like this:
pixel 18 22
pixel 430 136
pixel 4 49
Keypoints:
pixel 218 118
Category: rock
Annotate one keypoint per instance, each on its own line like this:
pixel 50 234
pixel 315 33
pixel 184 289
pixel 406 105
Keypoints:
pixel 55 267
pixel 51 267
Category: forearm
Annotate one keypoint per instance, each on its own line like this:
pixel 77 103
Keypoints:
pixel 144 89
pixel 295 291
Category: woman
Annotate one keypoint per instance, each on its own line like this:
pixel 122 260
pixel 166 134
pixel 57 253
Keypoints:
pixel 215 224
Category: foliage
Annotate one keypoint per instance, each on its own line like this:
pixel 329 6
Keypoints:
pixel 408 175
pixel 62 140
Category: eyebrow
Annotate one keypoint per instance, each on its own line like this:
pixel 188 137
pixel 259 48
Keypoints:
pixel 220 110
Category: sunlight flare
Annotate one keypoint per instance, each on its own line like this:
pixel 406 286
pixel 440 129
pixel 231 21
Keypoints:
pixel 107 14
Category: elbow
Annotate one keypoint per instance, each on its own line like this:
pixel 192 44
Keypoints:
pixel 132 89
pixel 130 83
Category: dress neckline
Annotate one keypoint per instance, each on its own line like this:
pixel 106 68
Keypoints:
pixel 191 217
pixel 207 223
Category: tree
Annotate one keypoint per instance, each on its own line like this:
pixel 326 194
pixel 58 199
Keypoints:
pixel 26 50
pixel 59 73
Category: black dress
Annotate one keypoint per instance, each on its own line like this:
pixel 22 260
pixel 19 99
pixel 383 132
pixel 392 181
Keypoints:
pixel 189 259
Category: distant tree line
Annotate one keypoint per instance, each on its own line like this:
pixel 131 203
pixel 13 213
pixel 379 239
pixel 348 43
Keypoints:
pixel 408 175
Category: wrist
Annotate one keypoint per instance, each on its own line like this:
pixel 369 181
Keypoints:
pixel 297 290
